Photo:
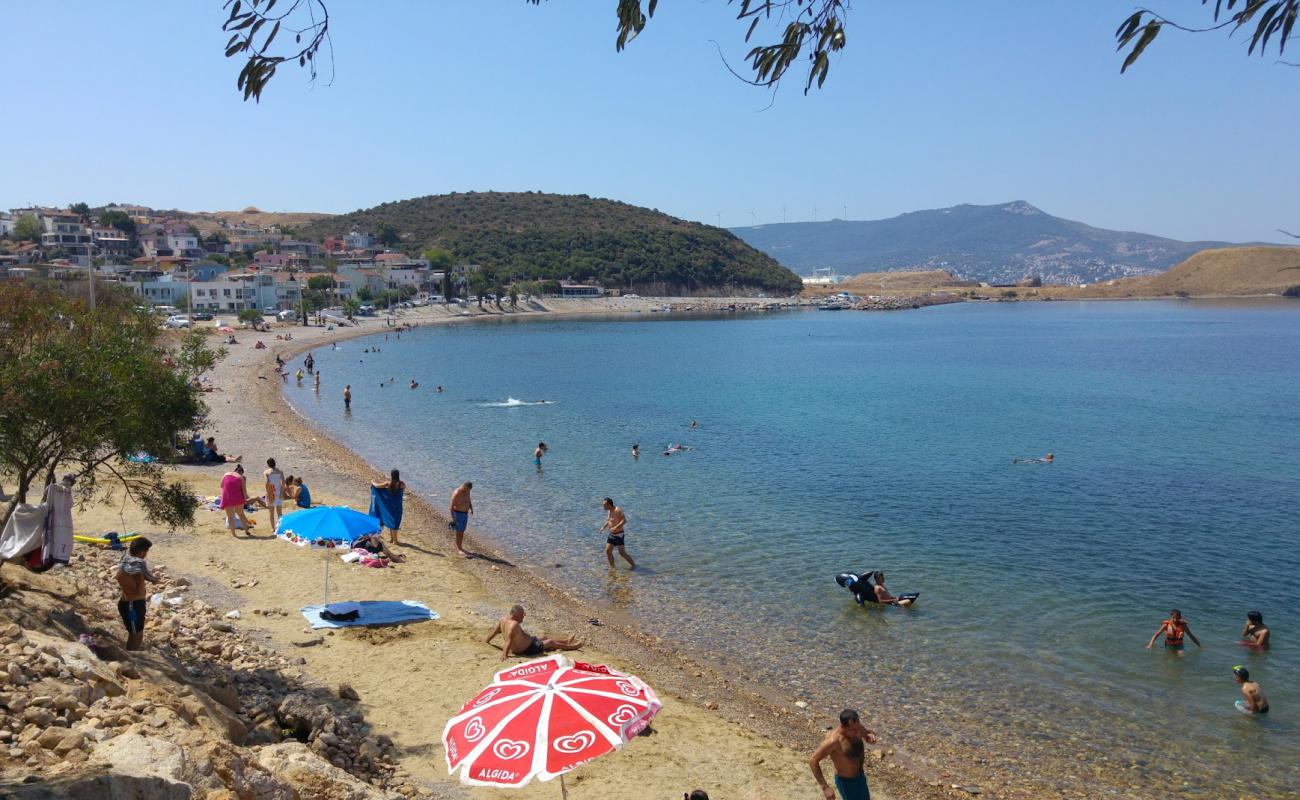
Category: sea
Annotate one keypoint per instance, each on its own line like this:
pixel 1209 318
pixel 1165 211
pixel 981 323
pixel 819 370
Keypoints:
pixel 847 441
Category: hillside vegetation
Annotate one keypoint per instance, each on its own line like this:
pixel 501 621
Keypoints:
pixel 530 235
pixel 997 243
pixel 1231 271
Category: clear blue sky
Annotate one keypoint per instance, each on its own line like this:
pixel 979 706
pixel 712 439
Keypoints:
pixel 992 101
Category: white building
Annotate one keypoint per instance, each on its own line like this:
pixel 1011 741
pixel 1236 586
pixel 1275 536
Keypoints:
pixel 823 277
pixel 7 223
pixel 358 241
pixel 62 230
pixel 234 292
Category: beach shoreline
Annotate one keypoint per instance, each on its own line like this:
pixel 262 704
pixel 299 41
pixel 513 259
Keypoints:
pixel 782 725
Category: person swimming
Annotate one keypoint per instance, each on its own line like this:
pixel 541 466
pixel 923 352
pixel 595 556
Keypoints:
pixel 1174 629
pixel 1255 633
pixel 1253 700
pixel 864 591
pixel 1047 459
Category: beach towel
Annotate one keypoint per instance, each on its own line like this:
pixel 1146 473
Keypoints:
pixel 374 612
pixel 58 541
pixel 24 532
pixel 386 506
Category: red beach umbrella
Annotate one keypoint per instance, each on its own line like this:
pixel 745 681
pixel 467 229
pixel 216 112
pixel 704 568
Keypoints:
pixel 543 718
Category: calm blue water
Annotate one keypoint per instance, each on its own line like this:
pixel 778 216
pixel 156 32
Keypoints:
pixel 831 441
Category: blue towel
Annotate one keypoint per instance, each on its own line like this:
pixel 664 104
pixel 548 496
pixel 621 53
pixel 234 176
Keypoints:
pixel 374 612
pixel 304 496
pixel 386 506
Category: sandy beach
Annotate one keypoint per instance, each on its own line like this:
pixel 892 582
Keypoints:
pixel 715 732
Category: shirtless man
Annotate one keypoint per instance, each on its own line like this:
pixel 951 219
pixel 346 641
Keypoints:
pixel 132 572
pixel 845 747
pixel 1253 701
pixel 347 397
pixel 461 507
pixel 616 524
pixel 519 643
pixel 538 453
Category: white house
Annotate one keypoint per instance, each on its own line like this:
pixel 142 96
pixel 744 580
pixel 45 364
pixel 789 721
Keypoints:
pixel 358 241
pixel 62 230
pixel 7 223
pixel 234 292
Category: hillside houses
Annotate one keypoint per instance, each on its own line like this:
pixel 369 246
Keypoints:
pixel 167 261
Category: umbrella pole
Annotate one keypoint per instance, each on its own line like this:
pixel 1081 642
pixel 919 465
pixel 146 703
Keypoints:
pixel 564 791
pixel 326 599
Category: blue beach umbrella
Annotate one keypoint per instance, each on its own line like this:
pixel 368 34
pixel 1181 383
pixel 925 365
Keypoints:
pixel 334 523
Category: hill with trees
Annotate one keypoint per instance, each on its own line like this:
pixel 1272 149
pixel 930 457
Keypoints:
pixel 537 236
pixel 998 243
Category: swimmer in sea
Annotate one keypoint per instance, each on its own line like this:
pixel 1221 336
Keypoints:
pixel 694 424
pixel 1255 634
pixel 636 451
pixel 439 390
pixel 415 384
pixel 884 597
pixel 1253 701
pixel 1047 459
pixel 1173 629
pixel 538 453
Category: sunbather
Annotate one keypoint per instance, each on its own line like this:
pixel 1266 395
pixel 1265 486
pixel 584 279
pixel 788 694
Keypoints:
pixel 519 643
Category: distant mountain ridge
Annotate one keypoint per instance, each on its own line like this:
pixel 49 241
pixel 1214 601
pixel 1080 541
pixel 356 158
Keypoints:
pixel 534 235
pixel 996 243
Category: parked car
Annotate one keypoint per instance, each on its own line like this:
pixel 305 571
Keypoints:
pixel 166 311
pixel 202 316
pixel 177 321
pixel 269 311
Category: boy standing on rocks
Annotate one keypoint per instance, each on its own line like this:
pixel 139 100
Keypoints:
pixel 132 573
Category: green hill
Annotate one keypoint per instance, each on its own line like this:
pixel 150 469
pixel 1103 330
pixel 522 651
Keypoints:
pixel 530 236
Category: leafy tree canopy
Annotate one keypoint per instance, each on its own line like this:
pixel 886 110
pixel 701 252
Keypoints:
pixel 534 236
pixel 81 390
pixel 27 229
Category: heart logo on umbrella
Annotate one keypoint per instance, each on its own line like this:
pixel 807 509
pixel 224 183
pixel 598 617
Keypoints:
pixel 628 689
pixel 510 749
pixel 622 715
pixel 474 730
pixel 487 696
pixel 576 743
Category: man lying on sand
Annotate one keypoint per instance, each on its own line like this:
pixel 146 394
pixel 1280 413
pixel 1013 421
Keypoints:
pixel 519 643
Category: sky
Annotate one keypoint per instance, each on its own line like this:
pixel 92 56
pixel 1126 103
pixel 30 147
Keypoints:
pixel 982 102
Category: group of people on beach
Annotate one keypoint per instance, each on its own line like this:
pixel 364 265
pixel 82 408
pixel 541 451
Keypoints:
pixel 1255 636
pixel 235 500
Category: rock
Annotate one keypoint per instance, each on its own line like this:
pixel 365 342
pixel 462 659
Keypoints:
pixel 158 721
pixel 39 716
pixel 347 692
pixel 232 614
pixel 219 625
pixel 800 704
pixel 302 714
pixel 69 742
pixel 292 763
pixel 50 737
pixel 712 705
pixel 42 700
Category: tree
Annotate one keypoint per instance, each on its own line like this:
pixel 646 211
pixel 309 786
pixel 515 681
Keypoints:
pixel 387 235
pixel 27 229
pixel 514 296
pixel 250 316
pixel 194 231
pixel 80 209
pixel 805 31
pixel 351 308
pixel 320 283
pixel 365 295
pixel 447 287
pixel 119 221
pixel 81 390
pixel 1273 20
pixel 479 282
pixel 195 357
pixel 438 259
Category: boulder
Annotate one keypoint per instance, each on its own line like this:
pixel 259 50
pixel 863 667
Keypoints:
pixel 314 777
pixel 141 755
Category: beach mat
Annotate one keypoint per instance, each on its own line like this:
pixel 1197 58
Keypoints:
pixel 374 612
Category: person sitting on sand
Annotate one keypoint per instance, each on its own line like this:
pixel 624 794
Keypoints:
pixel 210 453
pixel 373 543
pixel 1255 633
pixel 290 491
pixel 519 642
pixel 845 746
pixel 1253 701
pixel 301 494
pixel 1173 629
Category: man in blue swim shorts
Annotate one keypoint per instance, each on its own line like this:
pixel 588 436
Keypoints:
pixel 461 507
pixel 845 746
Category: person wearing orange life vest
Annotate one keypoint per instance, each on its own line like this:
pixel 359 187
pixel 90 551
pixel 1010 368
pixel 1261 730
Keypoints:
pixel 1174 628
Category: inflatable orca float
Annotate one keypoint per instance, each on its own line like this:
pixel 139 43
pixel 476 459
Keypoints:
pixel 862 588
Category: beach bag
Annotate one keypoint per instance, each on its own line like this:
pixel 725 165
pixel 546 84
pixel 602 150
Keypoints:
pixel 341 612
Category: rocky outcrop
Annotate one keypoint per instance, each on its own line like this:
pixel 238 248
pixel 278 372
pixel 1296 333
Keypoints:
pixel 204 712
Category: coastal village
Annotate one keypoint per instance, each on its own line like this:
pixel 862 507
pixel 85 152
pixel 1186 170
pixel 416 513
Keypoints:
pixel 209 264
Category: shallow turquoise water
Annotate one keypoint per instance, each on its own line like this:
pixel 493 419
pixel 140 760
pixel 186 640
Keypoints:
pixel 830 442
